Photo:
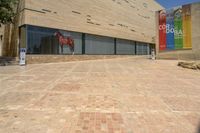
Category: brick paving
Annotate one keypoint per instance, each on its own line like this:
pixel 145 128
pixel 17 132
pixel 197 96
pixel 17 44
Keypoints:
pixel 129 95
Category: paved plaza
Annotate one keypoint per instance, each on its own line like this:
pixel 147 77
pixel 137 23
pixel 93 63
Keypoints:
pixel 126 95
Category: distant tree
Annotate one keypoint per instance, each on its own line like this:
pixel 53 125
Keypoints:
pixel 7 11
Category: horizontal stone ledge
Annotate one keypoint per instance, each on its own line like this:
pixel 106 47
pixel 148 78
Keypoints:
pixel 37 59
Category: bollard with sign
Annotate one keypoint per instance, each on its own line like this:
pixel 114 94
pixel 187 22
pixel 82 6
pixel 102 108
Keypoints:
pixel 22 60
pixel 153 55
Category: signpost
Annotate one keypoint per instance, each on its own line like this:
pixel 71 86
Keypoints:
pixel 22 60
pixel 153 54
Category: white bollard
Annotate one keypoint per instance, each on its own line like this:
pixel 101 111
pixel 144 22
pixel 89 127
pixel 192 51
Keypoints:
pixel 22 60
pixel 153 55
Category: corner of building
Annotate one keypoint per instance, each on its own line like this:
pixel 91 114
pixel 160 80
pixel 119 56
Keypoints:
pixel 1 38
pixel 195 11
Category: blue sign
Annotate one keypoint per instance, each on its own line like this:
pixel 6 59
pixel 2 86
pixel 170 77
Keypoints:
pixel 170 29
pixel 22 60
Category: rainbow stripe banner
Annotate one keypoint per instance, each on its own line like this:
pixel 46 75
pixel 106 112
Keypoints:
pixel 175 28
pixel 170 29
pixel 187 26
pixel 162 30
pixel 178 28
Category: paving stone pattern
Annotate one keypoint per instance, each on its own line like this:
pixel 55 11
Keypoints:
pixel 127 95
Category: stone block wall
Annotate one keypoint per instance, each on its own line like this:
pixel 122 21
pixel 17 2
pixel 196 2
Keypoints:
pixel 37 59
pixel 196 28
pixel 1 38
pixel 179 55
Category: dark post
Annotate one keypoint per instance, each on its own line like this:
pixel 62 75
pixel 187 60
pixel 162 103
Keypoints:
pixel 115 46
pixel 135 48
pixel 83 43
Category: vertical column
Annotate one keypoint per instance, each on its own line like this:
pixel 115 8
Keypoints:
pixel 23 37
pixel 115 46
pixel 148 49
pixel 1 38
pixel 157 32
pixel 195 9
pixel 135 48
pixel 83 43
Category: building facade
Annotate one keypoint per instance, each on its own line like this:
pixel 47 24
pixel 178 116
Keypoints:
pixel 108 27
pixel 178 32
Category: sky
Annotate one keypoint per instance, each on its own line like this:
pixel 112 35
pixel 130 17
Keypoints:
pixel 172 3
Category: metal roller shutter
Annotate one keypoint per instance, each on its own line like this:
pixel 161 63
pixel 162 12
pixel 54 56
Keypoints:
pixel 142 49
pixel 125 47
pixel 99 45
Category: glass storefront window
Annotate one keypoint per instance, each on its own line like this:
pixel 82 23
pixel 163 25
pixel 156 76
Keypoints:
pixel 125 47
pixel 142 48
pixel 38 40
pixel 44 41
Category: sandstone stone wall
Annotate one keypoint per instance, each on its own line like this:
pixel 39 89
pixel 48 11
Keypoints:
pixel 36 59
pixel 6 45
pixel 1 38
pixel 196 28
pixel 9 45
pixel 179 55
pixel 126 19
